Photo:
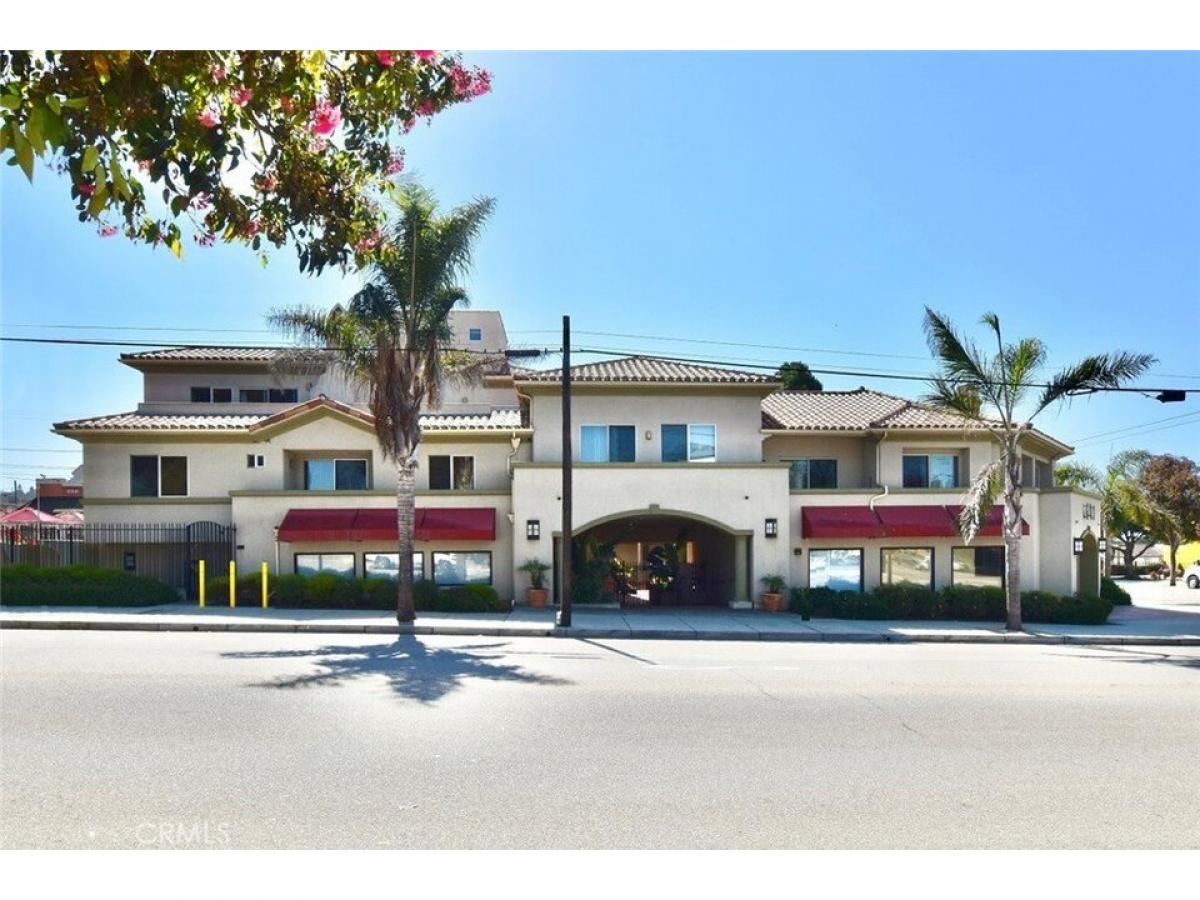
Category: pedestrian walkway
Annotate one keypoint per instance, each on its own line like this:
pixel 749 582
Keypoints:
pixel 1127 625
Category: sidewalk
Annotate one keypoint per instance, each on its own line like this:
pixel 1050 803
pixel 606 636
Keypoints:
pixel 1127 625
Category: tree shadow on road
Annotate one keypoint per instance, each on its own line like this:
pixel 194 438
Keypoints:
pixel 1127 655
pixel 409 667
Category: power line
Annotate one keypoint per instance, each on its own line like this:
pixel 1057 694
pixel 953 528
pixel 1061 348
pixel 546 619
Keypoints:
pixel 1133 434
pixel 39 449
pixel 1101 434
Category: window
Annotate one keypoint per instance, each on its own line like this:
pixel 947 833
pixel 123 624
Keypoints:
pixel 462 567
pixel 606 443
pixel 808 474
pixel 158 476
pixel 475 334
pixel 906 565
pixel 336 563
pixel 335 474
pixel 838 570
pixel 689 443
pixel 252 395
pixel 932 470
pixel 451 473
pixel 979 566
pixel 283 395
pixel 254 461
pixel 201 395
pixel 222 395
pixel 386 565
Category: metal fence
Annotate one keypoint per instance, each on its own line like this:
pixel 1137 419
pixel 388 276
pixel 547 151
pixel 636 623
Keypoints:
pixel 168 553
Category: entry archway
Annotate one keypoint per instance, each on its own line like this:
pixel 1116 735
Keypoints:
pixel 1087 564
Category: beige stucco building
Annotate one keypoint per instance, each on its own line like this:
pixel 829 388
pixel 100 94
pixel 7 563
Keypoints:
pixel 712 475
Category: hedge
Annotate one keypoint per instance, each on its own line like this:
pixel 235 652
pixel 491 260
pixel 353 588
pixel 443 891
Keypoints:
pixel 328 591
pixel 1114 593
pixel 80 586
pixel 957 602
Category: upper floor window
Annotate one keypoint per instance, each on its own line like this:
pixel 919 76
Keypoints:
pixel 252 395
pixel 689 443
pixel 335 474
pixel 607 443
pixel 931 470
pixel 475 334
pixel 212 395
pixel 448 473
pixel 202 395
pixel 806 474
pixel 158 476
pixel 283 395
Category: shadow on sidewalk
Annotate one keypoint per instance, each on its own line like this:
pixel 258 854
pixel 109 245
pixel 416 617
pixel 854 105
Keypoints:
pixel 411 669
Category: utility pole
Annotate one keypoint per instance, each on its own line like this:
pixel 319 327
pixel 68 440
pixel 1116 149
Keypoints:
pixel 567 544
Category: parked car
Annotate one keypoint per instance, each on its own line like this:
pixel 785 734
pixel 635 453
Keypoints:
pixel 1191 575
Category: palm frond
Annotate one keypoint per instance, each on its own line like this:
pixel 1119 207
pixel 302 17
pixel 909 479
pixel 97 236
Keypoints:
pixel 1078 475
pixel 980 498
pixel 1106 370
pixel 961 362
pixel 957 398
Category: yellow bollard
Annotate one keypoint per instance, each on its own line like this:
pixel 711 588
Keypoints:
pixel 202 584
pixel 232 584
pixel 264 585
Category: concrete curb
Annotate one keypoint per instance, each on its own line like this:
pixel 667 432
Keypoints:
pixel 550 630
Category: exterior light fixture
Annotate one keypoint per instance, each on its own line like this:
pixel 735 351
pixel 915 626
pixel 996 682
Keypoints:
pixel 1102 545
pixel 1077 545
pixel 771 528
pixel 533 529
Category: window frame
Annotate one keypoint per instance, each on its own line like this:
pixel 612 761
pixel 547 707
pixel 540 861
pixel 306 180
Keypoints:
pixel 196 388
pixel 928 456
pixel 335 460
pixel 608 441
pixel 975 547
pixel 350 553
pixel 158 474
pixel 862 561
pixel 932 565
pixel 687 442
pixel 433 555
pixel 809 460
pixel 283 390
pixel 452 457
pixel 227 390
pixel 474 334
pixel 416 555
pixel 264 391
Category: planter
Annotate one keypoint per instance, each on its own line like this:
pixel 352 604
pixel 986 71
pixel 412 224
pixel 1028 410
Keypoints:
pixel 772 603
pixel 537 597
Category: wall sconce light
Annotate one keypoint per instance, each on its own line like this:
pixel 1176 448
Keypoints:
pixel 1102 545
pixel 797 551
pixel 771 528
pixel 1077 545
pixel 533 529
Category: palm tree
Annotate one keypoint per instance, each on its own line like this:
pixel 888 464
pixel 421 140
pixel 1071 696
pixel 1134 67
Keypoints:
pixel 1125 508
pixel 989 391
pixel 390 339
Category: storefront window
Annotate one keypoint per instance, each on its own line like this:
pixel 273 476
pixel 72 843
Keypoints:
pixel 462 567
pixel 387 565
pixel 838 570
pixel 334 563
pixel 979 566
pixel 906 565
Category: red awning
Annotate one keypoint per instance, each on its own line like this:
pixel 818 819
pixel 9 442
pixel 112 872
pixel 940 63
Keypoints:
pixel 433 524
pixel 916 521
pixel 993 524
pixel 839 522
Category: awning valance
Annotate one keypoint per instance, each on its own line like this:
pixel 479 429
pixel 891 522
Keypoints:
pixel 901 520
pixel 433 524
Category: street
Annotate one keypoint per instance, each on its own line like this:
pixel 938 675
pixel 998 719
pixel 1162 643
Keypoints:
pixel 123 739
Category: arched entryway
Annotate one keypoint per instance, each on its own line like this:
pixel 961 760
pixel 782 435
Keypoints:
pixel 659 558
pixel 1087 564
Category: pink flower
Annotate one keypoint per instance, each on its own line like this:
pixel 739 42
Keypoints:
pixel 200 201
pixel 365 244
pixel 251 228
pixel 318 145
pixel 217 72
pixel 469 84
pixel 396 164
pixel 426 108
pixel 204 240
pixel 87 189
pixel 326 118
pixel 387 58
pixel 242 96
pixel 408 125
pixel 107 231
pixel 460 78
pixel 144 165
pixel 268 182
pixel 285 103
pixel 208 118
pixel 483 83
pixel 425 55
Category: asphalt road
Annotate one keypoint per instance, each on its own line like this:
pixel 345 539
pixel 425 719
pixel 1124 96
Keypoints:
pixel 211 740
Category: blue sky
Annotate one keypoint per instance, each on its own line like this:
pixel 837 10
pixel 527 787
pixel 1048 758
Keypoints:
pixel 798 200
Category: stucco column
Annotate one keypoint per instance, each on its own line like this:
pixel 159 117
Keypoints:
pixel 740 593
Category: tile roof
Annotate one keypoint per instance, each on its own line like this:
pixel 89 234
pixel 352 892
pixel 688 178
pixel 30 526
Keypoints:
pixel 205 354
pixel 856 410
pixel 646 369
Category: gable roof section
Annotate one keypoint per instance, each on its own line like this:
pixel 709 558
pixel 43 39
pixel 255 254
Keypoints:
pixel 136 421
pixel 645 369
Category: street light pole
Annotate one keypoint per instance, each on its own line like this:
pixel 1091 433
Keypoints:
pixel 566 546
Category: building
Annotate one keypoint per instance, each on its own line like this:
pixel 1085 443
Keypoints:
pixel 698 480
pixel 53 495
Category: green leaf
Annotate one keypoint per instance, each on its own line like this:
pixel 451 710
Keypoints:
pixel 23 151
pixel 3 137
pixel 10 101
pixel 99 201
pixel 90 157
pixel 120 185
pixel 33 129
pixel 176 246
pixel 75 103
pixel 54 103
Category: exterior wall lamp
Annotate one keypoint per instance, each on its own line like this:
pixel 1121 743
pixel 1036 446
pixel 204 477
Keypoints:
pixel 1077 545
pixel 533 529
pixel 1102 545
pixel 771 528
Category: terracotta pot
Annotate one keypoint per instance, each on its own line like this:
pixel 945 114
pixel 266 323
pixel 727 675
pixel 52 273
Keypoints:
pixel 772 603
pixel 537 596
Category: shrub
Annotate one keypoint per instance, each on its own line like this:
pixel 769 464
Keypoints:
pixel 80 586
pixel 908 601
pixel 1114 593
pixel 470 598
pixel 249 590
pixel 800 603
pixel 1042 606
pixel 289 591
pixel 379 593
pixel 425 595
pixel 973 603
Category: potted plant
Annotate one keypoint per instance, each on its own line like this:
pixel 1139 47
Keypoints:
pixel 772 598
pixel 536 594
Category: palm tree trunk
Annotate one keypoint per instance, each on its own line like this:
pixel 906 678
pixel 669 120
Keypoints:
pixel 406 524
pixel 1174 547
pixel 1012 537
